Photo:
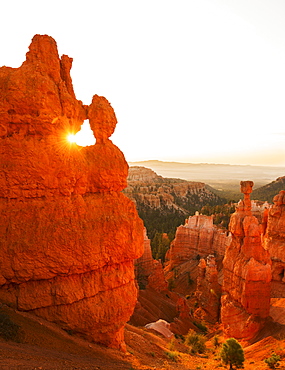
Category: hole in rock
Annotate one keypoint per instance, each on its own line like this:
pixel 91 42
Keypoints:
pixel 84 137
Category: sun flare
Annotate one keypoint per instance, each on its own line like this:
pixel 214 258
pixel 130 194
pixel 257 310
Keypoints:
pixel 84 137
pixel 71 138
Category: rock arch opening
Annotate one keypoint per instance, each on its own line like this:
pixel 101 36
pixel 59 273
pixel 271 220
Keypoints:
pixel 84 137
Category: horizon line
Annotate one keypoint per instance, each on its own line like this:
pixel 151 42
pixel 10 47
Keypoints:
pixel 207 163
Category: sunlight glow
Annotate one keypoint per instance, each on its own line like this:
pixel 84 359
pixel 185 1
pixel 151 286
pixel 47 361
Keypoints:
pixel 71 138
pixel 84 137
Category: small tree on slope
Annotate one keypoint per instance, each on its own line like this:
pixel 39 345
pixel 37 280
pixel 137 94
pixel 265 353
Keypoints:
pixel 232 353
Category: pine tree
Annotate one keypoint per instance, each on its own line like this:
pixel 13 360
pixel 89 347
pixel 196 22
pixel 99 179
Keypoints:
pixel 232 353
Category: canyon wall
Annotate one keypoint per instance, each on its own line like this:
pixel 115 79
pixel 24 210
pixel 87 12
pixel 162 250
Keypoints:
pixel 149 190
pixel 68 234
pixel 274 242
pixel 247 274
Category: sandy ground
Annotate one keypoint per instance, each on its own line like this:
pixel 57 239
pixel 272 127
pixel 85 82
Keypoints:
pixel 43 346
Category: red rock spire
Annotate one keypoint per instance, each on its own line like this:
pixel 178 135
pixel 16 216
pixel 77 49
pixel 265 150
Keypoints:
pixel 247 274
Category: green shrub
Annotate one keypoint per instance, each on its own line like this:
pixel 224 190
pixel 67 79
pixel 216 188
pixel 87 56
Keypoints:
pixel 216 341
pixel 232 353
pixel 195 341
pixel 171 344
pixel 172 355
pixel 273 361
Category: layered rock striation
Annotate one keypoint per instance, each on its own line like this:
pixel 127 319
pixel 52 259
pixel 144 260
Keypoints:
pixel 198 237
pixel 68 234
pixel 163 203
pixel 274 242
pixel 151 191
pixel 247 274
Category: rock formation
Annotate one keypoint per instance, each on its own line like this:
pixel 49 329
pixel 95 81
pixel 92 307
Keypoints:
pixel 274 242
pixel 166 201
pixel 68 234
pixel 155 301
pixel 247 274
pixel 198 237
pixel 149 272
pixel 149 190
pixel 208 291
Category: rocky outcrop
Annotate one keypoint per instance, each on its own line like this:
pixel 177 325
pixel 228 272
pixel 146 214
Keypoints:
pixel 147 189
pixel 198 237
pixel 155 300
pixel 208 291
pixel 247 274
pixel 274 242
pixel 149 272
pixel 163 203
pixel 194 240
pixel 68 234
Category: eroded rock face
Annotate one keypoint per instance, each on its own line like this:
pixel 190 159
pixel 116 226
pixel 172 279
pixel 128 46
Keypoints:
pixel 208 291
pixel 247 274
pixel 149 272
pixel 152 192
pixel 274 242
pixel 198 237
pixel 68 234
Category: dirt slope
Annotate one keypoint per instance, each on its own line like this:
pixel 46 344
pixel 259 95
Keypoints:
pixel 43 346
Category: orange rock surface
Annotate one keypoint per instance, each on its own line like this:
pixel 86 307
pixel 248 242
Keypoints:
pixel 247 274
pixel 68 234
pixel 155 301
pixel 274 242
pixel 208 291
pixel 149 272
pixel 197 237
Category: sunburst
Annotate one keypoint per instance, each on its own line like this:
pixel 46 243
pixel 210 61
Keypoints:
pixel 84 137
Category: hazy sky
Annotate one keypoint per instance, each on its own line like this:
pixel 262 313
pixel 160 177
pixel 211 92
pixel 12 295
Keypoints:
pixel 189 80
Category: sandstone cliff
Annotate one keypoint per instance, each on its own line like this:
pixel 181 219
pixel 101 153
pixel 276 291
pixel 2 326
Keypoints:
pixel 274 242
pixel 247 274
pixel 163 203
pixel 68 234
pixel 198 237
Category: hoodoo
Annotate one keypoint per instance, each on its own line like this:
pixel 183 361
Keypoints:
pixel 68 234
pixel 247 274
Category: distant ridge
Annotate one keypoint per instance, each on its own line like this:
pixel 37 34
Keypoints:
pixel 165 163
pixel 224 177
pixel 267 192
